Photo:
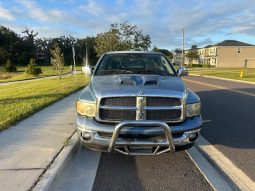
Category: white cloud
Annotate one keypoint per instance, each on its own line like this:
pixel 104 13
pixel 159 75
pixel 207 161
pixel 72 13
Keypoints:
pixel 204 21
pixel 6 14
pixel 34 11
pixel 93 8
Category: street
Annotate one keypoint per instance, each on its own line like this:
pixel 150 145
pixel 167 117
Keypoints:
pixel 228 126
pixel 120 172
pixel 229 119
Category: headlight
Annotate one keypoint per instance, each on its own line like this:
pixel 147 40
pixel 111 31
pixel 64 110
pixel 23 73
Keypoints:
pixel 193 109
pixel 86 108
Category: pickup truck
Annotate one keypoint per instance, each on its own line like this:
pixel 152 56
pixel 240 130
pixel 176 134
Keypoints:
pixel 137 104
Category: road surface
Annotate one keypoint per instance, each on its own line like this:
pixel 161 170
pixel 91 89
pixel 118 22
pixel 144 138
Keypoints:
pixel 87 170
pixel 230 116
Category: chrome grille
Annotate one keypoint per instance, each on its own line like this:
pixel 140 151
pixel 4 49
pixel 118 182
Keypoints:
pixel 115 109
pixel 162 101
pixel 163 115
pixel 115 115
pixel 119 101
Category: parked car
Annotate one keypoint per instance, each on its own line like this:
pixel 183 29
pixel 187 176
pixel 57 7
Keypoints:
pixel 137 104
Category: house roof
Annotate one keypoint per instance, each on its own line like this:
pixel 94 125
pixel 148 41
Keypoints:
pixel 177 51
pixel 232 43
pixel 208 46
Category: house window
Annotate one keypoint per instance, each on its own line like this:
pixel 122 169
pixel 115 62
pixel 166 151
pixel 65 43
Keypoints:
pixel 214 61
pixel 238 50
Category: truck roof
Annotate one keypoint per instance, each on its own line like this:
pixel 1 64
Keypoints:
pixel 133 52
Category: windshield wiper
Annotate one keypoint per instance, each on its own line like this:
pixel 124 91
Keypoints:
pixel 146 72
pixel 127 72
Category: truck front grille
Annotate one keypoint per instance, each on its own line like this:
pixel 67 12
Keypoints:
pixel 164 115
pixel 116 109
pixel 162 101
pixel 119 101
pixel 117 115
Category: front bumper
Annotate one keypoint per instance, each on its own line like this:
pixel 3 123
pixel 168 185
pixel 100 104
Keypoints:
pixel 124 137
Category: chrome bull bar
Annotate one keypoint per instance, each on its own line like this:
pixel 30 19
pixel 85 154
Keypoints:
pixel 116 144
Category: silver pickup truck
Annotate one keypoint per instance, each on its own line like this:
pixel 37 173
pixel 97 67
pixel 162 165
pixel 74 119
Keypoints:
pixel 137 104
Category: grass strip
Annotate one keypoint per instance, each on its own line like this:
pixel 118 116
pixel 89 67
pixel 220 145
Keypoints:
pixel 18 101
pixel 22 75
pixel 249 73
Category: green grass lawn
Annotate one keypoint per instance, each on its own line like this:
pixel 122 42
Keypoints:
pixel 18 101
pixel 231 73
pixel 22 75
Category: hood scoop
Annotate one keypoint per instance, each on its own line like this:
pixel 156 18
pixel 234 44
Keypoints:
pixel 138 80
pixel 151 82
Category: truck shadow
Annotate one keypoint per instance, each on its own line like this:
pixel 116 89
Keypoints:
pixel 163 172
pixel 229 118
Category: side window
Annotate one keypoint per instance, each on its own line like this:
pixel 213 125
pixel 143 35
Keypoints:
pixel 165 65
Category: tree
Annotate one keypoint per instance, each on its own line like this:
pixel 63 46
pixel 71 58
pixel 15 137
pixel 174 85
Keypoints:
pixel 80 50
pixel 194 47
pixel 9 67
pixel 8 45
pixel 57 59
pixel 164 51
pixel 29 35
pixel 29 42
pixel 192 54
pixel 121 37
pixel 32 69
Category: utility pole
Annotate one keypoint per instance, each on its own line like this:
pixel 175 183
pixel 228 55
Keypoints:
pixel 74 64
pixel 87 55
pixel 182 63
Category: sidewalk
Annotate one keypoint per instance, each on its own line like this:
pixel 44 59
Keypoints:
pixel 28 147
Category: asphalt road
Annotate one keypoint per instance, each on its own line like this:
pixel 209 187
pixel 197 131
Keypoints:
pixel 120 172
pixel 230 119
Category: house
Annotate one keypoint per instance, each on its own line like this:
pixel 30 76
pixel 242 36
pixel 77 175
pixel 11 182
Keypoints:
pixel 228 53
pixel 177 57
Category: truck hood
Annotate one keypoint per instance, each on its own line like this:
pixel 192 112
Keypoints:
pixel 134 85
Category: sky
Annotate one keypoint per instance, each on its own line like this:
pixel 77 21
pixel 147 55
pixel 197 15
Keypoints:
pixel 204 21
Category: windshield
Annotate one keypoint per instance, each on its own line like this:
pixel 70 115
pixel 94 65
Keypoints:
pixel 154 64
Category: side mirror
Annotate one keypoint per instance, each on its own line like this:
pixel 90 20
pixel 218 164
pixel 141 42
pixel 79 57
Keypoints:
pixel 182 71
pixel 86 70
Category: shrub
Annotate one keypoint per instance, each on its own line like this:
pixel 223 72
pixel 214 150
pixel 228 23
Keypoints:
pixel 206 66
pixel 190 65
pixel 32 69
pixel 38 71
pixel 9 67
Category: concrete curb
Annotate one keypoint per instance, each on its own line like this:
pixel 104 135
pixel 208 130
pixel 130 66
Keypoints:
pixel 213 176
pixel 237 179
pixel 226 79
pixel 58 165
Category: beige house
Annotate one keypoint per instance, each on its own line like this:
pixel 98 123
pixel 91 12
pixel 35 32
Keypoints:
pixel 177 57
pixel 228 53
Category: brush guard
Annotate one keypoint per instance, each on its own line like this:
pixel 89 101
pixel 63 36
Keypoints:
pixel 124 146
